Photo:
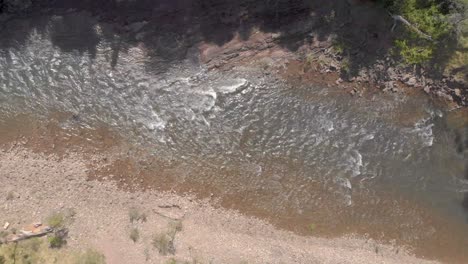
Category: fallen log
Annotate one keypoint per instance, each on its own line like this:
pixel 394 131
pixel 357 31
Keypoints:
pixel 27 233
pixel 411 26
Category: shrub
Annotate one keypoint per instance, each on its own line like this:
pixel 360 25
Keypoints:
pixel 58 238
pixel 312 227
pixel 413 54
pixel 56 241
pixel 430 17
pixel 171 261
pixel 174 227
pixel 164 244
pixel 56 220
pixel 134 234
pixel 135 215
pixel 10 196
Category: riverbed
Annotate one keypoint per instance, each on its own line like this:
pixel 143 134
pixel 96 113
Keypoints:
pixel 309 158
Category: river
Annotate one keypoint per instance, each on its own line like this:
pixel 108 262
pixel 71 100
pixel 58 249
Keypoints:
pixel 308 158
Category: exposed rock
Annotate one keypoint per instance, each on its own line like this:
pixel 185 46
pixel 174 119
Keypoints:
pixel 233 86
pixel 391 73
pixel 427 89
pixel 444 95
pixel 388 86
pixel 412 81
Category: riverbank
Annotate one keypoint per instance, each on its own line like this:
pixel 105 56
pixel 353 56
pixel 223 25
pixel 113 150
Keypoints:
pixel 35 186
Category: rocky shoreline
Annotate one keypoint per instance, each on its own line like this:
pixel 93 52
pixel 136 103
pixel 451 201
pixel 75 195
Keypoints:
pixel 37 185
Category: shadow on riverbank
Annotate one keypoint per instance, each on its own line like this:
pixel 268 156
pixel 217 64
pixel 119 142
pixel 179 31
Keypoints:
pixel 169 28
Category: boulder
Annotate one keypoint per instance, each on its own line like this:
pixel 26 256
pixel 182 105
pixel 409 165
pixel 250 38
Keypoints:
pixel 412 81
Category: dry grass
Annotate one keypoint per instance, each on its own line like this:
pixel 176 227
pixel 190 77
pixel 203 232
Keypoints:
pixel 56 220
pixel 135 215
pixel 134 234
pixel 164 243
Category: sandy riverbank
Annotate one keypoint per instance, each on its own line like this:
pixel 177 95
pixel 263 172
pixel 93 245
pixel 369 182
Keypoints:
pixel 44 184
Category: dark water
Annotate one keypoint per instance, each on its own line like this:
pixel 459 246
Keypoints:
pixel 392 166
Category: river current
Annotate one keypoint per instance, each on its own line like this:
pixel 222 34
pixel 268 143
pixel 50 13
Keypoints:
pixel 301 155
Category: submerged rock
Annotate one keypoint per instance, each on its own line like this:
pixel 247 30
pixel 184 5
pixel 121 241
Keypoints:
pixel 233 86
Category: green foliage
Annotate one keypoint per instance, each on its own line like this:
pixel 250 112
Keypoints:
pixel 430 17
pixel 345 66
pixel 56 220
pixel 90 257
pixel 413 54
pixel 34 244
pixel 24 252
pixel 56 241
pixel 35 250
pixel 312 227
pixel 134 234
pixel 171 261
pixel 339 47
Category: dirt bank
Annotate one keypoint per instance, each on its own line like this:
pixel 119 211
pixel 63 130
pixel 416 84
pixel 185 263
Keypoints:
pixel 39 185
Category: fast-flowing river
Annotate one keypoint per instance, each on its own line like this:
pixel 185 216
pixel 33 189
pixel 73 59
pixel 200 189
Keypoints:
pixel 308 158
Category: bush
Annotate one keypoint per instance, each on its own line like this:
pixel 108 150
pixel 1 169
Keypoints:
pixel 134 234
pixel 56 241
pixel 10 196
pixel 430 17
pixel 164 243
pixel 174 227
pixel 56 220
pixel 135 215
pixel 59 238
pixel 413 54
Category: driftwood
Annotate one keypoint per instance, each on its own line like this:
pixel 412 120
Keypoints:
pixel 411 26
pixel 36 231
pixel 26 235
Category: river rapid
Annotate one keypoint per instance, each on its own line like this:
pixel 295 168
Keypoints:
pixel 308 158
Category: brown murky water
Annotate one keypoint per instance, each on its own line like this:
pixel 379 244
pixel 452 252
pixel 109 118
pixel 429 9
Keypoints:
pixel 306 157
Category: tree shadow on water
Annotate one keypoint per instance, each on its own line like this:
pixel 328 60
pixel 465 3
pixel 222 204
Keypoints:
pixel 172 27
